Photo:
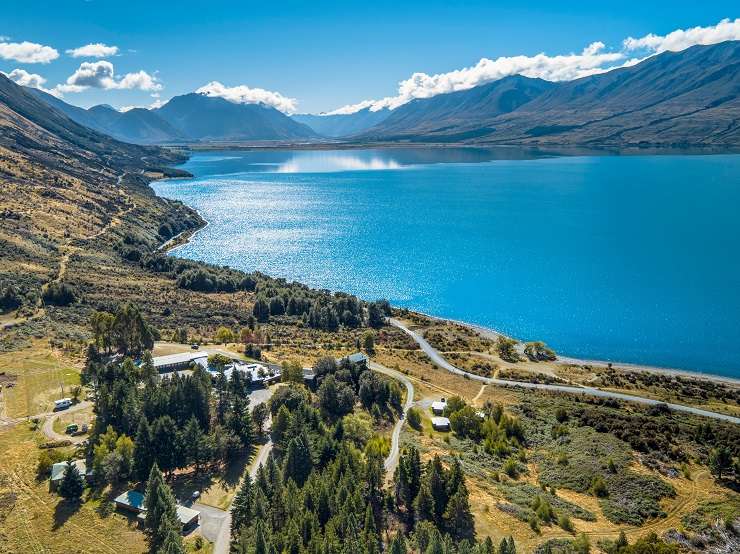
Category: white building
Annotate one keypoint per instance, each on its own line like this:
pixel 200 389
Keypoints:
pixel 440 424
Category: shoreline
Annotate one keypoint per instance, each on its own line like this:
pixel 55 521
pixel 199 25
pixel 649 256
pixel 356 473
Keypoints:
pixel 488 332
pixel 493 334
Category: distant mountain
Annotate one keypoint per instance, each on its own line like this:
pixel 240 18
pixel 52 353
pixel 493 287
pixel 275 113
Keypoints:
pixel 456 115
pixel 45 134
pixel 138 126
pixel 209 118
pixel 187 118
pixel 675 98
pixel 342 125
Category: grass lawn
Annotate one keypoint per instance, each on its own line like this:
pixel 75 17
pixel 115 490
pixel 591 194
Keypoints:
pixel 44 375
pixel 34 520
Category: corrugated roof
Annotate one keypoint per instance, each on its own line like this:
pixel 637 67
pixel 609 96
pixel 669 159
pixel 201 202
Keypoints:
pixel 132 498
pixel 58 469
pixel 180 358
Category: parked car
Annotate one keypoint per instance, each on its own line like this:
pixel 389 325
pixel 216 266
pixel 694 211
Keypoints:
pixel 72 428
pixel 194 346
pixel 62 404
pixel 195 496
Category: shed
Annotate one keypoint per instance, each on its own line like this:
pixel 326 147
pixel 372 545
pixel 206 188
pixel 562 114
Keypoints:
pixel 178 362
pixel 356 358
pixel 58 469
pixel 131 501
pixel 440 424
pixel 187 517
pixel 438 408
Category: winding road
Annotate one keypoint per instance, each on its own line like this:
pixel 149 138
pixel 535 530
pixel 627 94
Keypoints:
pixel 391 460
pixel 440 361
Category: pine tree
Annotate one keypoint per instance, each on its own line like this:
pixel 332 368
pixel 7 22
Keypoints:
pixel 164 440
pixel 171 538
pixel 161 510
pixel 457 517
pixel 424 504
pixel 437 487
pixel 298 463
pixel 241 510
pixel 398 545
pixel 190 441
pixel 72 484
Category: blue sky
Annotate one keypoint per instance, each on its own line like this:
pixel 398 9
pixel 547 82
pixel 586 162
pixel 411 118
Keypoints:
pixel 324 55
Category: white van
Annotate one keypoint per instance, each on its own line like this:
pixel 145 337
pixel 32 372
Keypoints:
pixel 62 404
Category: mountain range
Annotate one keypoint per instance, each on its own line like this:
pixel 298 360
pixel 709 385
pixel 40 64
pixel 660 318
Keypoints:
pixel 674 98
pixel 343 125
pixel 188 118
pixel 690 97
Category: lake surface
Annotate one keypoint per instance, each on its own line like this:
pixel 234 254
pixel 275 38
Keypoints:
pixel 624 258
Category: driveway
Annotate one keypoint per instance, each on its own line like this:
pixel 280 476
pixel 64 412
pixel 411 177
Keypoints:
pixel 48 427
pixel 391 460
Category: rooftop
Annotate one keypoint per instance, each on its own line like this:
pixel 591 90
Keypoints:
pixel 440 422
pixel 58 469
pixel 132 498
pixel 180 358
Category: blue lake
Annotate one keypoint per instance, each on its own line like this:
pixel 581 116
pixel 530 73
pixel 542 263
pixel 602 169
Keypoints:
pixel 624 258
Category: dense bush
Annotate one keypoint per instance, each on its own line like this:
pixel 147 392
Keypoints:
pixel 59 293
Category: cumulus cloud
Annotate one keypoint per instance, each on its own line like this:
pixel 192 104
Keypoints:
pixel 680 39
pixel 25 79
pixel 93 50
pixel 242 94
pixel 595 58
pixel 27 52
pixel 102 75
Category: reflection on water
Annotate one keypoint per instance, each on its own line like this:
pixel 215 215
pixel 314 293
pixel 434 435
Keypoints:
pixel 325 162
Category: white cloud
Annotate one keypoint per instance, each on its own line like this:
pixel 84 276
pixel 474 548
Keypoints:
pixel 95 50
pixel 592 60
pixel 680 39
pixel 27 52
pixel 242 94
pixel 25 79
pixel 102 75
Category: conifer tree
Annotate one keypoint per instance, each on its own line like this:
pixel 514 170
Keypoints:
pixel 241 510
pixel 298 463
pixel 171 538
pixel 72 484
pixel 424 504
pixel 161 510
pixel 457 517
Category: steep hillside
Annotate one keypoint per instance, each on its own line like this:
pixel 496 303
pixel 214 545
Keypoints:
pixel 343 125
pixel 461 114
pixel 207 118
pixel 675 98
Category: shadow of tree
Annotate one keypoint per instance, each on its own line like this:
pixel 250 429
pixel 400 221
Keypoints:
pixel 63 511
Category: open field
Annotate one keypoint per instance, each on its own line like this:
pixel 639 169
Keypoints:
pixel 44 374
pixel 33 520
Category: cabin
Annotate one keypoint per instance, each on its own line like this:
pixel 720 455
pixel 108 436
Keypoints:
pixel 440 424
pixel 58 469
pixel 309 378
pixel 358 358
pixel 438 408
pixel 132 501
pixel 179 362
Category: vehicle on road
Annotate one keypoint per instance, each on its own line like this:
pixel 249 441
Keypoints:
pixel 62 404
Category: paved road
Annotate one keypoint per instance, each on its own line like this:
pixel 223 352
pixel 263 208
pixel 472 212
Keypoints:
pixel 391 460
pixel 221 536
pixel 48 427
pixel 439 360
